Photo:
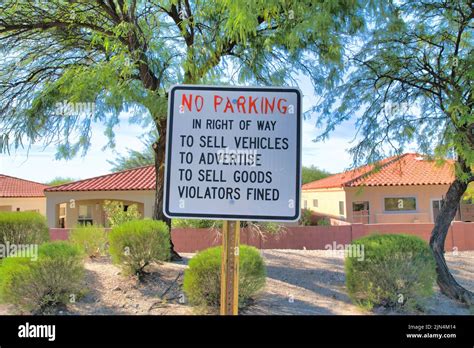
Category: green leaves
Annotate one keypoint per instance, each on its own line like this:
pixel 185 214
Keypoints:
pixel 120 56
pixel 410 83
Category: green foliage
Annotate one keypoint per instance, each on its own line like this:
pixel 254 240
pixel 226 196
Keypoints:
pixel 195 223
pixel 267 227
pixel 397 271
pixel 54 278
pixel 468 197
pixel 306 218
pixel 134 158
pixel 59 180
pixel 23 228
pixel 91 239
pixel 309 174
pixel 111 55
pixel 135 244
pixel 410 82
pixel 202 278
pixel 116 214
pixel 324 222
pixel 259 227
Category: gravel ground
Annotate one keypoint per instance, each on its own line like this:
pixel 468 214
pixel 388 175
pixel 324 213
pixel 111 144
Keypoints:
pixel 306 282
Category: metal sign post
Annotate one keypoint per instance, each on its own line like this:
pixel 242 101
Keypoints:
pixel 230 268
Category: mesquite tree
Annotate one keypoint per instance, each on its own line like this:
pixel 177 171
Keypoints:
pixel 412 80
pixel 60 57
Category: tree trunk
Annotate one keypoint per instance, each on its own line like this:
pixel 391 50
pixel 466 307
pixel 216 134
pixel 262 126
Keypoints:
pixel 448 285
pixel 160 147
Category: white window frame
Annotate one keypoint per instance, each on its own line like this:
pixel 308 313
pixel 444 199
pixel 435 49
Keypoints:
pixel 343 208
pixel 431 207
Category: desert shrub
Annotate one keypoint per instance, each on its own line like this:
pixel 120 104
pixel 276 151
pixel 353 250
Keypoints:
pixel 307 218
pixel 396 271
pixel 54 278
pixel 23 228
pixel 324 221
pixel 195 223
pixel 202 278
pixel 135 244
pixel 116 215
pixel 91 239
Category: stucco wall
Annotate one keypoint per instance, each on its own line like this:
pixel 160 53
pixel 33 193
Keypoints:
pixel 328 201
pixel 424 195
pixel 53 199
pixel 29 203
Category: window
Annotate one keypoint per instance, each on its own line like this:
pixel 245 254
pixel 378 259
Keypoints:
pixel 315 203
pixel 400 204
pixel 360 206
pixel 437 204
pixel 85 211
pixel 85 215
pixel 305 204
pixel 341 207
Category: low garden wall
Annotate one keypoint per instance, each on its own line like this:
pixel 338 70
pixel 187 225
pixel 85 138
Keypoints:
pixel 460 236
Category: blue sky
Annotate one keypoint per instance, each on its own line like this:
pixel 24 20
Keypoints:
pixel 40 163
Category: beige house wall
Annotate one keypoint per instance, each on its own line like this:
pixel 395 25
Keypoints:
pixel 72 201
pixel 24 204
pixel 424 195
pixel 328 201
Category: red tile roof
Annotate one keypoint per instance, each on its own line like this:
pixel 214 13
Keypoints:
pixel 406 169
pixel 16 187
pixel 141 178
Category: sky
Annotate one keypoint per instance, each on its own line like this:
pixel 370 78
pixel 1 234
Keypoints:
pixel 40 165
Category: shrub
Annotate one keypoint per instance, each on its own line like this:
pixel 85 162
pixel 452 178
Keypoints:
pixel 135 244
pixel 116 214
pixel 195 223
pixel 23 228
pixel 307 218
pixel 202 278
pixel 91 239
pixel 54 278
pixel 396 271
pixel 324 221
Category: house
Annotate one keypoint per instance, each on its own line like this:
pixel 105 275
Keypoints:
pixel 400 189
pixel 21 195
pixel 81 202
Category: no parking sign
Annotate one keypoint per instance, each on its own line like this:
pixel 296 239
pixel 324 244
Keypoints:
pixel 233 153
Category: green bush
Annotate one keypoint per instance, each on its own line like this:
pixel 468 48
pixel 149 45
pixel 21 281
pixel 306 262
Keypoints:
pixel 55 277
pixel 23 228
pixel 91 239
pixel 396 271
pixel 116 214
pixel 324 221
pixel 195 223
pixel 135 244
pixel 307 218
pixel 202 279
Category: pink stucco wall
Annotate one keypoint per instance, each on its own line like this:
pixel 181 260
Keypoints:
pixel 460 236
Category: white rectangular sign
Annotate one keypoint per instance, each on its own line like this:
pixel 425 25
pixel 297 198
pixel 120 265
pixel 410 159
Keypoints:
pixel 233 153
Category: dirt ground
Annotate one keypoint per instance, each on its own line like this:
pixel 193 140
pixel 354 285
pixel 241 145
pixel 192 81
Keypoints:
pixel 305 282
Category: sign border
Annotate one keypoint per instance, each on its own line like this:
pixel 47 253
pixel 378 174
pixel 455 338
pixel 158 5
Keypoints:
pixel 167 173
